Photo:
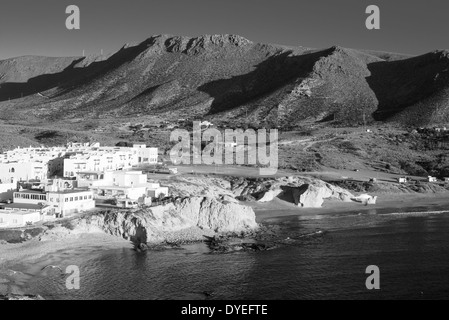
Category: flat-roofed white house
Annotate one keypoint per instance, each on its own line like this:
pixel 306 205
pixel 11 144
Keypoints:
pixel 146 155
pixel 431 179
pixel 64 201
pixel 121 184
pixel 86 179
pixel 15 171
pixel 30 197
pixel 46 214
pixel 155 190
pixel 31 200
pixel 125 184
pixel 14 218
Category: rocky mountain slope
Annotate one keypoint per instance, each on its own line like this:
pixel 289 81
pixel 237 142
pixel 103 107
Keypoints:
pixel 228 78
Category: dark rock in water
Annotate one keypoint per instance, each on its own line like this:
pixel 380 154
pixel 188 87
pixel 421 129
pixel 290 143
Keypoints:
pixel 141 247
pixel 255 246
pixel 227 244
pixel 12 296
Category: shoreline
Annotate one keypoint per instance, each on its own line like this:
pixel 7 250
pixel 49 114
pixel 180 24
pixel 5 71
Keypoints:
pixel 21 261
pixel 385 203
pixel 28 257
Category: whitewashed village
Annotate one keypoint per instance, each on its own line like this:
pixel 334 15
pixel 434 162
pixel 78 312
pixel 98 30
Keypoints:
pixel 44 184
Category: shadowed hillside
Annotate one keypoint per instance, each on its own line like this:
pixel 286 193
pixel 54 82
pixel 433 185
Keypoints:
pixel 229 78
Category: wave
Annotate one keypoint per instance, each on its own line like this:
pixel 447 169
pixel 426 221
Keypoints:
pixel 421 213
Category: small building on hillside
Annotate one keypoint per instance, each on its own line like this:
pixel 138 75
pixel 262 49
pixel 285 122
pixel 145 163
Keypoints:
pixel 402 180
pixel 446 179
pixel 431 179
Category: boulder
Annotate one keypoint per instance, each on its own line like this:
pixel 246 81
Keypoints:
pixel 365 199
pixel 308 196
pixel 269 195
pixel 228 198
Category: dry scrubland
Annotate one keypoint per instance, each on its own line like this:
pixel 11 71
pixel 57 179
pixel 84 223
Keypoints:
pixel 317 97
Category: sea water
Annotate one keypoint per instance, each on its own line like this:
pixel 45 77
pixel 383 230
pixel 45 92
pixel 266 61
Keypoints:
pixel 322 257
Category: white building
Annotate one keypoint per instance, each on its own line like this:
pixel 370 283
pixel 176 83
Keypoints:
pixel 16 171
pixel 122 185
pixel 40 163
pixel 31 200
pixel 431 179
pixel 14 218
pixel 30 197
pixel 109 158
pixel 64 200
pixel 155 190
pixel 402 180
pixel 146 155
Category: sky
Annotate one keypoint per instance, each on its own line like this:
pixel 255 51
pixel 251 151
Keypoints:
pixel 30 27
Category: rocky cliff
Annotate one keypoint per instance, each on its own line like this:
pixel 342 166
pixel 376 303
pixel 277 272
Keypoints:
pixel 303 191
pixel 185 219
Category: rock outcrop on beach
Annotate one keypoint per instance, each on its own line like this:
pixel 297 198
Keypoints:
pixel 303 191
pixel 185 219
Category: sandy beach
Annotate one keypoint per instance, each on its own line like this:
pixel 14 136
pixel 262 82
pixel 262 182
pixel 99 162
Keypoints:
pixel 18 262
pixel 385 202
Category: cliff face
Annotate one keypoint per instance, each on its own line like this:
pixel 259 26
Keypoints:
pixel 199 215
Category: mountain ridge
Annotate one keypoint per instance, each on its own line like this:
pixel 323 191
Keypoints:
pixel 229 78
